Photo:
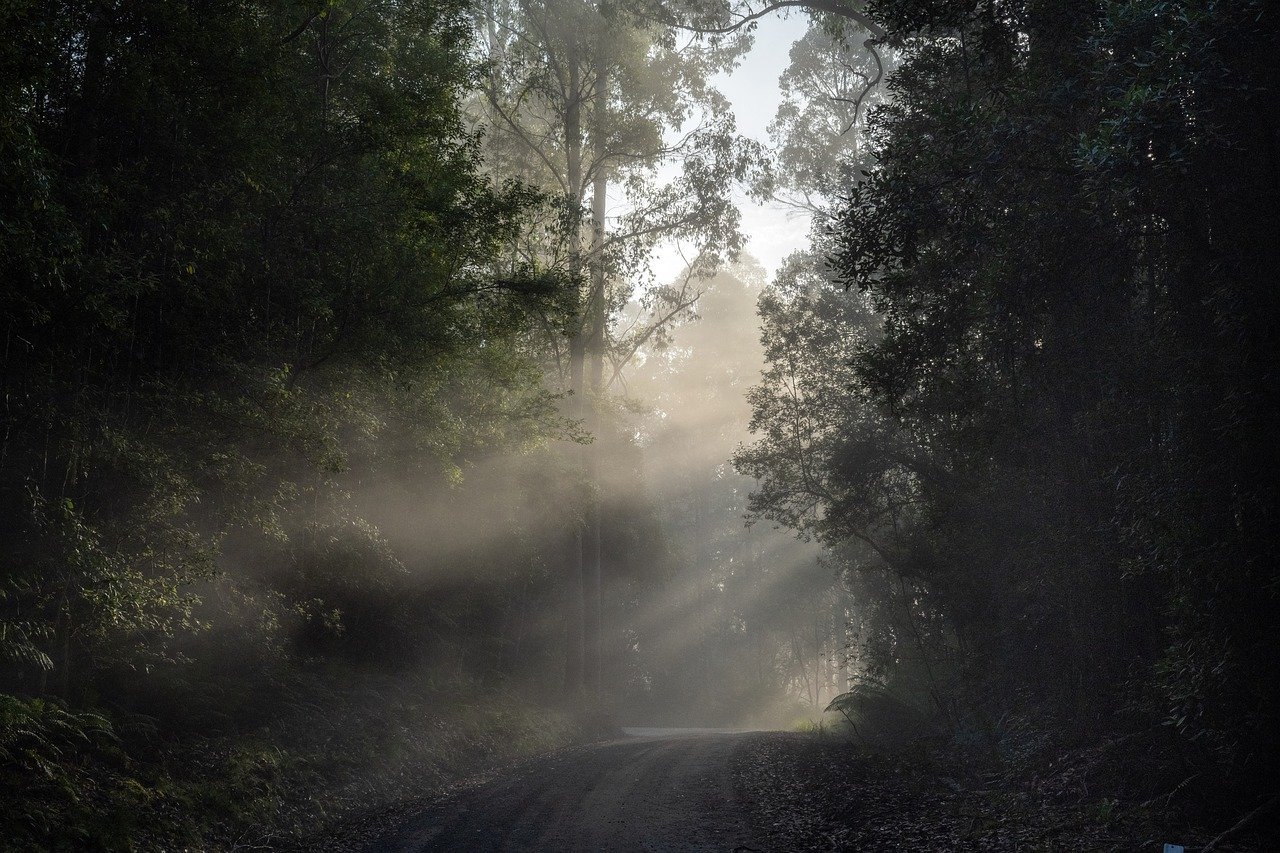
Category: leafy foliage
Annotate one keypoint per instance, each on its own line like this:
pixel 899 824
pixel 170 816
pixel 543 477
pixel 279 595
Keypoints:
pixel 1054 433
pixel 251 265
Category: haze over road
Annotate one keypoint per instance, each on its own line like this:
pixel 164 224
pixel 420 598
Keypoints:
pixel 653 790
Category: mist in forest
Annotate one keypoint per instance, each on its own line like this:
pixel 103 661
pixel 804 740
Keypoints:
pixel 742 632
pixel 388 392
pixel 711 616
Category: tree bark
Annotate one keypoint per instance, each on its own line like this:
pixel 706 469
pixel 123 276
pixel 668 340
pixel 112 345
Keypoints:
pixel 575 636
pixel 597 322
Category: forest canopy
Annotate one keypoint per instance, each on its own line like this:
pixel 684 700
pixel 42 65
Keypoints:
pixel 356 429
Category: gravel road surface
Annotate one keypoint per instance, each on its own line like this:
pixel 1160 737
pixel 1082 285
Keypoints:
pixel 652 790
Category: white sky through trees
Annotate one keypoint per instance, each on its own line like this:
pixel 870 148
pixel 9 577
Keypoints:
pixel 773 231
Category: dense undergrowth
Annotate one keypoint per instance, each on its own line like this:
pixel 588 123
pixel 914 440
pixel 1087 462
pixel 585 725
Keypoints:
pixel 327 745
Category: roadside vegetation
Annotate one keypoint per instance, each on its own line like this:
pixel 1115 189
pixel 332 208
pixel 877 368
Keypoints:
pixel 301 769
pixel 354 435
pixel 253 273
pixel 1023 391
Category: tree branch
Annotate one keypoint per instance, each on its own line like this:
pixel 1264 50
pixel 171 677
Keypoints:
pixel 831 7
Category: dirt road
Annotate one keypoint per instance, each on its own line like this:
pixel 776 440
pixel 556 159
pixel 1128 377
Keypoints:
pixel 685 790
pixel 653 790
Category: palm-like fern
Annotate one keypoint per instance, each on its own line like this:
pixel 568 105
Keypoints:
pixel 18 640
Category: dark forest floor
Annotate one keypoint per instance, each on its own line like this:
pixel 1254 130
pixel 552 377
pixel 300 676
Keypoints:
pixel 822 793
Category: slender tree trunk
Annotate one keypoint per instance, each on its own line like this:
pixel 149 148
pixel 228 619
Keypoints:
pixel 81 136
pixel 597 322
pixel 574 563
pixel 828 660
pixel 818 679
pixel 842 637
pixel 797 654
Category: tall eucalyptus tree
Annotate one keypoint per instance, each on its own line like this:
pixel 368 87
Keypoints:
pixel 618 118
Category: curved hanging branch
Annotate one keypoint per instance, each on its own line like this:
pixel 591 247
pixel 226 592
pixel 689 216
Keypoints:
pixel 870 44
pixel 852 11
